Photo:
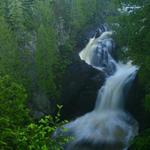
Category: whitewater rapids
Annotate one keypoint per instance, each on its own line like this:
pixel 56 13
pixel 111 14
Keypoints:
pixel 108 122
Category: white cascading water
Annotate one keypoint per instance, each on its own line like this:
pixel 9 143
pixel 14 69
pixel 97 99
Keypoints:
pixel 108 122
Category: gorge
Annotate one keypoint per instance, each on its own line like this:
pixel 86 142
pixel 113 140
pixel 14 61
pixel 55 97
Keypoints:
pixel 108 126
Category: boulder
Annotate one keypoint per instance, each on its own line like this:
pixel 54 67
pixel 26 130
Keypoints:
pixel 80 88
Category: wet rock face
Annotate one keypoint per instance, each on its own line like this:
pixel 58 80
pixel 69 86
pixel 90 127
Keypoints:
pixel 85 35
pixel 80 89
pixel 133 102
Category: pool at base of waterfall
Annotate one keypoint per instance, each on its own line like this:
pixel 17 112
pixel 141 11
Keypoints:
pixel 103 128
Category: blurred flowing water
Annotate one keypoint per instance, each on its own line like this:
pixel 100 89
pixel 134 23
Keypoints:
pixel 108 122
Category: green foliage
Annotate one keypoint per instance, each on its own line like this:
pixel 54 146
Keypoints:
pixel 8 49
pixel 46 48
pixel 142 142
pixel 82 12
pixel 17 130
pixel 40 136
pixel 41 37
pixel 13 112
pixel 133 36
pixel 147 102
pixel 37 39
pixel 12 98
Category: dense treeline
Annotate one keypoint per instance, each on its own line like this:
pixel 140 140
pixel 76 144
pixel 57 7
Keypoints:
pixel 133 37
pixel 37 38
pixel 18 131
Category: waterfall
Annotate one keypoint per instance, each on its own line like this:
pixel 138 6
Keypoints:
pixel 108 122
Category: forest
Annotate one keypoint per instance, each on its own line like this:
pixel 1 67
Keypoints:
pixel 39 43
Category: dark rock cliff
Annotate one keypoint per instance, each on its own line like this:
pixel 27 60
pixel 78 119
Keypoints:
pixel 80 88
